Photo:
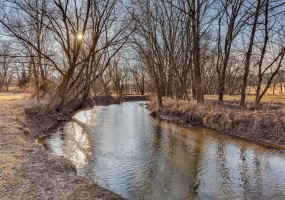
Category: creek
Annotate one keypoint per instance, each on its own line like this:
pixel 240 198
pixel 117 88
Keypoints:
pixel 124 149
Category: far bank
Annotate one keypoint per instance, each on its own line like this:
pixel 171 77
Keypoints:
pixel 266 125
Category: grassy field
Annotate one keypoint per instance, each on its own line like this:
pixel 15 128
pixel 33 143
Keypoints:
pixel 269 97
pixel 13 96
pixel 272 98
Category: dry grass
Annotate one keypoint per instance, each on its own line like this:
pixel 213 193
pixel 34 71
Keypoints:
pixel 264 125
pixel 27 171
pixel 270 98
pixel 13 96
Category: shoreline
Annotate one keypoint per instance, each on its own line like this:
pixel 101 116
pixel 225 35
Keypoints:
pixel 265 127
pixel 168 119
pixel 97 101
pixel 27 170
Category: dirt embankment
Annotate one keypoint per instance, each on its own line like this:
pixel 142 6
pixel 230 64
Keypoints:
pixel 27 171
pixel 265 125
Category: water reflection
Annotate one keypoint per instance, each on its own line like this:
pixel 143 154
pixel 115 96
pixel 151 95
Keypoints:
pixel 71 141
pixel 123 148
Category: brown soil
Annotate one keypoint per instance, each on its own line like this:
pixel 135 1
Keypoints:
pixel 27 171
pixel 266 125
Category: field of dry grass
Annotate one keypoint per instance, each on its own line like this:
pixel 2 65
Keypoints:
pixel 269 98
pixel 27 171
pixel 13 96
pixel 277 96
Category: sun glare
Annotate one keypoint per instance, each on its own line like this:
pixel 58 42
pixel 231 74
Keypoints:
pixel 79 36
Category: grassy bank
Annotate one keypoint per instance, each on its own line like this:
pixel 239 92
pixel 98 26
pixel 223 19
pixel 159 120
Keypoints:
pixel 27 171
pixel 264 125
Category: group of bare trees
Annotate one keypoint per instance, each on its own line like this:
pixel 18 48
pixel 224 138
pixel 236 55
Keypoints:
pixel 10 70
pixel 174 48
pixel 209 46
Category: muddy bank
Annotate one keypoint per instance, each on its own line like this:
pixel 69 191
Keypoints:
pixel 266 125
pixel 27 171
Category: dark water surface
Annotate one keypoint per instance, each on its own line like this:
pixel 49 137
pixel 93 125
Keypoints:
pixel 123 148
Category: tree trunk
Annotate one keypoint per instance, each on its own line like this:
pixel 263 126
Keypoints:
pixel 198 84
pixel 249 53
pixel 60 95
pixel 273 89
pixel 263 51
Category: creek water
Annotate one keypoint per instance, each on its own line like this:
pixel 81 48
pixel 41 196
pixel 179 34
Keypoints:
pixel 124 149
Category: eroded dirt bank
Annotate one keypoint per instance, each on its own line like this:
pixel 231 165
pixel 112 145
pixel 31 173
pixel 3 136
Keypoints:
pixel 27 171
pixel 266 125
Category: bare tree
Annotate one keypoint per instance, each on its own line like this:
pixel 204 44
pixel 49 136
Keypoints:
pixel 147 43
pixel 83 33
pixel 268 37
pixel 234 17
pixel 195 7
pixel 5 67
pixel 256 15
pixel 200 20
pixel 139 74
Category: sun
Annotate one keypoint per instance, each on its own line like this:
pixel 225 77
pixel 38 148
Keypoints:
pixel 79 36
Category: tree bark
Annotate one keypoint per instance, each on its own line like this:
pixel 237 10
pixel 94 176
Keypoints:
pixel 249 53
